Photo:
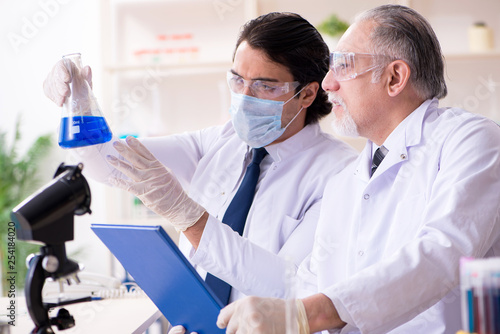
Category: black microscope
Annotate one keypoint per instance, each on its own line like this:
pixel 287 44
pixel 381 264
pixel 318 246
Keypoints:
pixel 47 217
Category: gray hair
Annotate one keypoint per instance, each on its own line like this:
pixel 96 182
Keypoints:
pixel 402 33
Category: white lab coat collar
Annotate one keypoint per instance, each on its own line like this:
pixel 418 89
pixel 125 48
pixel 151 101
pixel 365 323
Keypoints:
pixel 298 142
pixel 279 152
pixel 408 133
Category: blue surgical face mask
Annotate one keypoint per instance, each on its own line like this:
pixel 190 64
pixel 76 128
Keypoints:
pixel 257 121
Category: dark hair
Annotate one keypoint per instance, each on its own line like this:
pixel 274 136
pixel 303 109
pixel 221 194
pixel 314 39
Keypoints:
pixel 402 33
pixel 290 40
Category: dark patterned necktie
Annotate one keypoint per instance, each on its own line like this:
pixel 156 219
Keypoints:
pixel 236 216
pixel 380 154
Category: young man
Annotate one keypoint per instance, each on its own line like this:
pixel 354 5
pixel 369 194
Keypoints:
pixel 422 194
pixel 191 179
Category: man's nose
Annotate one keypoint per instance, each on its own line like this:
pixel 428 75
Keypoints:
pixel 330 83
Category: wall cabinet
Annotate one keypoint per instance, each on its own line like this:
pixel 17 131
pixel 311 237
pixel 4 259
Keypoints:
pixel 165 62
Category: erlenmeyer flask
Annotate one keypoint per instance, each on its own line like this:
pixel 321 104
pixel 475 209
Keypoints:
pixel 82 123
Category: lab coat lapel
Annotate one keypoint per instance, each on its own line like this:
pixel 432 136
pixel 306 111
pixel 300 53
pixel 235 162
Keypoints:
pixel 411 136
pixel 395 156
pixel 363 167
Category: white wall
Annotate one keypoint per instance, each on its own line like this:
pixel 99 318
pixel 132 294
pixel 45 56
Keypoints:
pixel 34 36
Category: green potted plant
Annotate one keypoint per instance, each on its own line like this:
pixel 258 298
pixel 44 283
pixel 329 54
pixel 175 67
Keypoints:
pixel 332 29
pixel 18 179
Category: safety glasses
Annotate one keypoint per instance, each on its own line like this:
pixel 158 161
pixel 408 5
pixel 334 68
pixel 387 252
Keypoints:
pixel 260 88
pixel 349 65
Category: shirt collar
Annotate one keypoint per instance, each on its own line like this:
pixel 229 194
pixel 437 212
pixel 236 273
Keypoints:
pixel 298 142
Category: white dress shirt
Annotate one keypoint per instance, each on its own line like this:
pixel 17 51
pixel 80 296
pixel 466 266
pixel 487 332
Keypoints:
pixel 387 248
pixel 283 217
pixel 279 232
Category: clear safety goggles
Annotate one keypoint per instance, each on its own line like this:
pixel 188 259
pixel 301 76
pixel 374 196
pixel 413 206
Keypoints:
pixel 262 89
pixel 349 65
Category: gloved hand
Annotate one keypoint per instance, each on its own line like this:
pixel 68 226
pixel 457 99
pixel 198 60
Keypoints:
pixel 256 315
pixel 178 330
pixel 56 84
pixel 153 184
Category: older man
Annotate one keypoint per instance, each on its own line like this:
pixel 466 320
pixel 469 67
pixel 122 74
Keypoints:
pixel 422 194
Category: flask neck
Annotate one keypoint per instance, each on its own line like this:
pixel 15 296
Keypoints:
pixel 71 61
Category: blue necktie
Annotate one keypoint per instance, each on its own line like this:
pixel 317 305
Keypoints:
pixel 236 216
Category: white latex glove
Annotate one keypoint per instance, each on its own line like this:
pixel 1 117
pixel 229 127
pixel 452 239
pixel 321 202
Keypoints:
pixel 178 330
pixel 153 184
pixel 256 315
pixel 56 84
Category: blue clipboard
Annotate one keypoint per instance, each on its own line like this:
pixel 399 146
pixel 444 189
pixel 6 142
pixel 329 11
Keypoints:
pixel 163 272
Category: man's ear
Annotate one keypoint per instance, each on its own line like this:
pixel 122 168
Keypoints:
pixel 398 77
pixel 309 94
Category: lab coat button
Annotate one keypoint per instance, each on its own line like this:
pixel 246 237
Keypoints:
pixel 403 156
pixel 361 253
pixel 366 196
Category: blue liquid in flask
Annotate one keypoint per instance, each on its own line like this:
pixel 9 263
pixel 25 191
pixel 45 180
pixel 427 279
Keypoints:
pixel 80 131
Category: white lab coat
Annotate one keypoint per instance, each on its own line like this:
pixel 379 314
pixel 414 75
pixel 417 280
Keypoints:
pixel 387 249
pixel 280 226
